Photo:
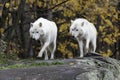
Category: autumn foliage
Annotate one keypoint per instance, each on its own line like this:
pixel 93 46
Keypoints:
pixel 15 16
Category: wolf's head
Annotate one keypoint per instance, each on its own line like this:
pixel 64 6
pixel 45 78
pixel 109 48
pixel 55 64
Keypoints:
pixel 77 28
pixel 36 31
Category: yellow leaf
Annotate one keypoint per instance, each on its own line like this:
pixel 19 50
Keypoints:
pixel 101 28
pixel 0 12
pixel 118 34
pixel 114 40
pixel 32 1
pixel 109 22
pixel 109 52
pixel 70 55
pixel 108 41
pixel 1 30
pixel 39 3
pixel 7 5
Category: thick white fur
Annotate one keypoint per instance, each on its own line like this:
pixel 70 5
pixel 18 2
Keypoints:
pixel 86 35
pixel 45 31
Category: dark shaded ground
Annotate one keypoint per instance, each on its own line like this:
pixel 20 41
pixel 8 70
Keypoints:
pixel 41 73
pixel 88 68
pixel 58 72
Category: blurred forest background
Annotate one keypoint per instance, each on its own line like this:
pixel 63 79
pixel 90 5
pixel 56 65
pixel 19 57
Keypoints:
pixel 16 15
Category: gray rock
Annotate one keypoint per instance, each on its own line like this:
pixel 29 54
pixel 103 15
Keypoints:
pixel 99 68
pixel 88 68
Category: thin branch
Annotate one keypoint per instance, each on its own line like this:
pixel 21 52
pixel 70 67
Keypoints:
pixel 58 4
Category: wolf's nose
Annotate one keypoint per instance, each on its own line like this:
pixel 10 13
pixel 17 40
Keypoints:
pixel 72 37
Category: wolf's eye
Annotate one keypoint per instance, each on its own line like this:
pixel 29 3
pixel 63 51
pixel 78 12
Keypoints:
pixel 37 32
pixel 76 29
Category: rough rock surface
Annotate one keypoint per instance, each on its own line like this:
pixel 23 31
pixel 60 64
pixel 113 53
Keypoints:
pixel 88 68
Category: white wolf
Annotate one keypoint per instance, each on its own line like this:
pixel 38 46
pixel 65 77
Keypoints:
pixel 86 35
pixel 45 31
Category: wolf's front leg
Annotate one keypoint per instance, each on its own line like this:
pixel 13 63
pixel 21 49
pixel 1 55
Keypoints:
pixel 81 48
pixel 87 46
pixel 46 55
pixel 46 44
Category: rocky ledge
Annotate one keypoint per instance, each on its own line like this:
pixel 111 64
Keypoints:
pixel 92 67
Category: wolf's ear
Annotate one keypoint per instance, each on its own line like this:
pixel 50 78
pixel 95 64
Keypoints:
pixel 40 24
pixel 82 24
pixel 71 21
pixel 31 24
